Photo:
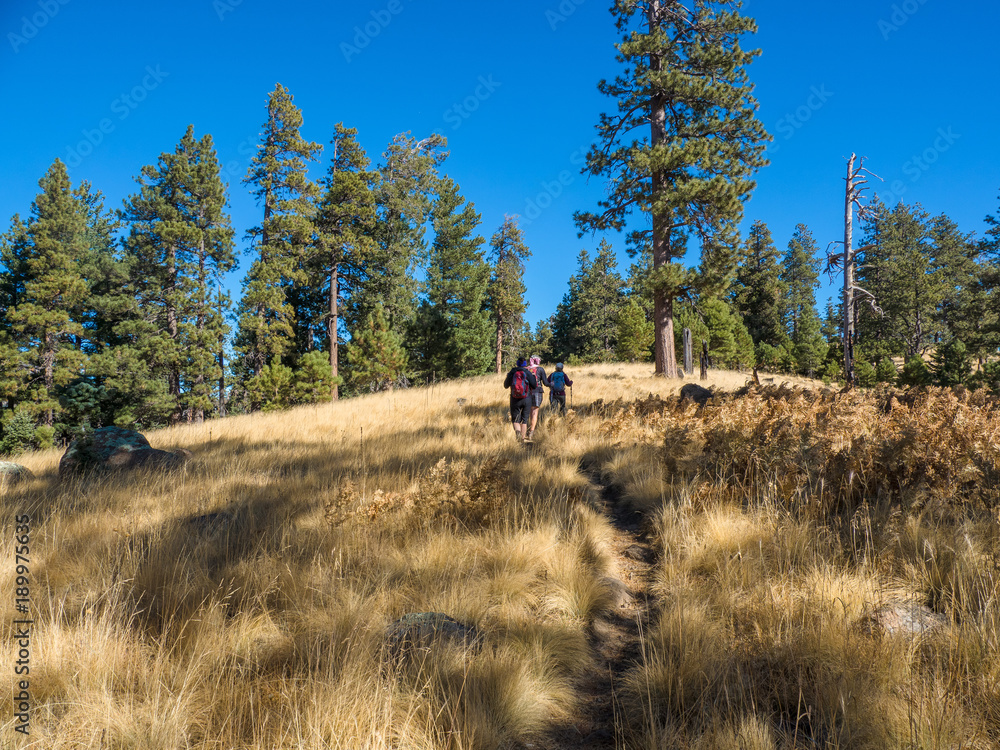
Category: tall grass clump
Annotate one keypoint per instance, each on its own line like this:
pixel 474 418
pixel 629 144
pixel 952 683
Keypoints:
pixel 829 567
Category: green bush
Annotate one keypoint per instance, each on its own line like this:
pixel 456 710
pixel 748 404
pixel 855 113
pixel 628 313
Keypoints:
pixel 272 388
pixel 831 371
pixel 915 372
pixel 864 373
pixel 18 434
pixel 313 381
pixel 885 371
pixel 951 364
pixel 988 377
pixel 45 437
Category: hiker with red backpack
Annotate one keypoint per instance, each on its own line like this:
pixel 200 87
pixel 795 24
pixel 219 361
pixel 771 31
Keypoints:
pixel 522 383
pixel 558 381
pixel 538 393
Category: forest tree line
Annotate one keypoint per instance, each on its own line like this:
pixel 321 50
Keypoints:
pixel 119 317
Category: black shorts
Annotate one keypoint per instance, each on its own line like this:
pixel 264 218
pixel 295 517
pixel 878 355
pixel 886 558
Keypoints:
pixel 520 410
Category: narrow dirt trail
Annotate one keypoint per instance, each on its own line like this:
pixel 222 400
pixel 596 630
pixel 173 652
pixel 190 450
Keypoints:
pixel 615 637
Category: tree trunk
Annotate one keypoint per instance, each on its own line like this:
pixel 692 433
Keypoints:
pixel 663 304
pixel 257 356
pixel 688 359
pixel 222 362
pixel 333 325
pixel 174 376
pixel 198 413
pixel 499 344
pixel 48 368
pixel 222 382
pixel 848 332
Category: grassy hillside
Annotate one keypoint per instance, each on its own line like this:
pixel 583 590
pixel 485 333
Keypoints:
pixel 244 602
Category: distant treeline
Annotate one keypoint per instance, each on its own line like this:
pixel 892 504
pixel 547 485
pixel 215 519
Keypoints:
pixel 118 317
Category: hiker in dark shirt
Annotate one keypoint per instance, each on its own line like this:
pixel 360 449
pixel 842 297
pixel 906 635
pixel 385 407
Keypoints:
pixel 538 394
pixel 521 382
pixel 558 382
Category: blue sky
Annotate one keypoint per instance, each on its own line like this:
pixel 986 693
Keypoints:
pixel 108 86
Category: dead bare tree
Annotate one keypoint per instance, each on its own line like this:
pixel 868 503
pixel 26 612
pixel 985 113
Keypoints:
pixel 857 182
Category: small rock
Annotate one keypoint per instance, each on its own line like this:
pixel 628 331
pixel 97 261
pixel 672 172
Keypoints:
pixel 420 630
pixel 639 553
pixel 904 618
pixel 14 473
pixel 696 393
pixel 621 597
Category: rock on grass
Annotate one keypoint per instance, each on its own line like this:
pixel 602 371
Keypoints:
pixel 13 473
pixel 113 448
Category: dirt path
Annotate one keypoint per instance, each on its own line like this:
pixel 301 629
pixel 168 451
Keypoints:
pixel 614 638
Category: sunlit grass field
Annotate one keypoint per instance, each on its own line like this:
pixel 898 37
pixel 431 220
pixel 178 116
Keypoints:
pixel 243 602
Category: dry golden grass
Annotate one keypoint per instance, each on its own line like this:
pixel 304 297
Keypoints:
pixel 242 603
pixel 786 518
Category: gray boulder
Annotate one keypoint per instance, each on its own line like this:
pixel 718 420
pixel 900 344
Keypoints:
pixel 696 393
pixel 12 473
pixel 114 448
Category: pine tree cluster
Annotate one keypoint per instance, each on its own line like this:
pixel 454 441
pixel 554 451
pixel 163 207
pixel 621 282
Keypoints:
pixel 119 317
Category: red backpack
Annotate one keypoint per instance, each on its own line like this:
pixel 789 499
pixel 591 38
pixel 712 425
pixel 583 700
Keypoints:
pixel 519 387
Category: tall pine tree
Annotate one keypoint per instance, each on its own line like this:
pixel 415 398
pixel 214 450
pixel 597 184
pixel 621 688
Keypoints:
pixel 270 325
pixel 965 311
pixel 759 294
pixel 800 275
pixel 180 243
pixel 42 319
pixel 914 292
pixel 686 80
pixel 506 303
pixel 586 321
pixel 13 275
pixel 453 326
pixel 345 245
pixel 404 190
pixel 990 275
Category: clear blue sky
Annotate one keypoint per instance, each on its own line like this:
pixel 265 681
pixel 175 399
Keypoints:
pixel 107 86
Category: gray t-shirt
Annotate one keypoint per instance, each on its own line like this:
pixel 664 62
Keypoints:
pixel 540 376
